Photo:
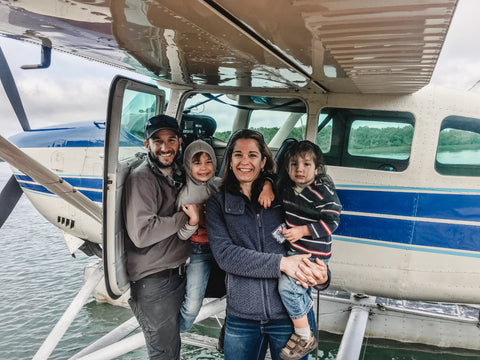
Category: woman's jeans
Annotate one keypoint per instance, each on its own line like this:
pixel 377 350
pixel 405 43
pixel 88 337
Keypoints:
pixel 249 339
pixel 198 271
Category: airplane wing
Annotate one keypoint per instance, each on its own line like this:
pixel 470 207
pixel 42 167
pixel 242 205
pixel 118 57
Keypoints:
pixel 344 46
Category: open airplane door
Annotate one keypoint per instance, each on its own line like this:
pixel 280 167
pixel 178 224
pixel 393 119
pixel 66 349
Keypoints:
pixel 131 104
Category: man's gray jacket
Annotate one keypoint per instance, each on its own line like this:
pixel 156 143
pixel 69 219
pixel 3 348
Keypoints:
pixel 152 221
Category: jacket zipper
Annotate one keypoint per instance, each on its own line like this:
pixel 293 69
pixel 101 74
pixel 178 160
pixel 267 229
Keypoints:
pixel 264 283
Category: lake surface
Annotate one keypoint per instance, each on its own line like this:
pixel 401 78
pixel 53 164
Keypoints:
pixel 39 279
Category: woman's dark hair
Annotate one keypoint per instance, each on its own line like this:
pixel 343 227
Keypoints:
pixel 230 182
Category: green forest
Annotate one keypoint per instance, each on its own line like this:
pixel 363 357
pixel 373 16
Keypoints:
pixel 370 139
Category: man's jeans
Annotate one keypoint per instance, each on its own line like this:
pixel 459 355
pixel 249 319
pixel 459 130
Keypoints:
pixel 249 339
pixel 198 271
pixel 156 302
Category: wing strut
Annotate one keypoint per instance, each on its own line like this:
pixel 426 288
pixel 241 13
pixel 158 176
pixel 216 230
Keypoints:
pixel 42 175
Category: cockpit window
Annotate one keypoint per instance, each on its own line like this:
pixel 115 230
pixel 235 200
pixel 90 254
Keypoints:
pixel 276 118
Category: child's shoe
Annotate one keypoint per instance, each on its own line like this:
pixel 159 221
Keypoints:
pixel 296 347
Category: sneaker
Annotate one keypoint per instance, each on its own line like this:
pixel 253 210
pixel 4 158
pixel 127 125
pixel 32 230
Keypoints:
pixel 296 347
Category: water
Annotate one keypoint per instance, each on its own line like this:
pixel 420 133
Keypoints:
pixel 39 279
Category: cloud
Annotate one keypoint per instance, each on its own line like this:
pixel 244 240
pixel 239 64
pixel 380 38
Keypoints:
pixel 459 62
pixel 72 89
pixel 78 99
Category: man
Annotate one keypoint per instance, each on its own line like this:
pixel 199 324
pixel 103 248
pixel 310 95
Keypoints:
pixel 155 256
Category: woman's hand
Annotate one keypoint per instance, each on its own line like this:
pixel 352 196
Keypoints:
pixel 290 265
pixel 306 272
pixel 316 273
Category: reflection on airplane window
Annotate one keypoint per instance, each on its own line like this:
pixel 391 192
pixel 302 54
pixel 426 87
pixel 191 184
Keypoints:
pixel 269 123
pixel 324 133
pixel 276 118
pixel 137 109
pixel 368 139
pixel 458 151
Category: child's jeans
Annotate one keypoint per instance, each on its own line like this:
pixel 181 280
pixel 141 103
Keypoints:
pixel 296 299
pixel 198 271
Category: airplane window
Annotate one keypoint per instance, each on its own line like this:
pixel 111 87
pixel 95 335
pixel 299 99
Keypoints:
pixel 458 150
pixel 369 139
pixel 220 111
pixel 276 126
pixel 137 109
pixel 380 139
pixel 276 118
pixel 324 134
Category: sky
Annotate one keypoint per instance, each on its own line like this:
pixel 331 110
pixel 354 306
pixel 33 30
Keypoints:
pixel 55 95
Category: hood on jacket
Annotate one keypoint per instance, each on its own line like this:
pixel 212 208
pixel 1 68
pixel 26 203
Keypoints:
pixel 194 191
pixel 196 147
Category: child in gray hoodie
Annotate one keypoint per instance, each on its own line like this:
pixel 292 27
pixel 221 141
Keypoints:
pixel 199 162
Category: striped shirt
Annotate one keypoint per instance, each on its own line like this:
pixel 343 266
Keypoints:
pixel 318 207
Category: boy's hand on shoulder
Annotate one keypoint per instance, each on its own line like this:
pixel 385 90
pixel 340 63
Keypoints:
pixel 193 212
pixel 267 195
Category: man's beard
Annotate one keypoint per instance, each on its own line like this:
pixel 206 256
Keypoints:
pixel 157 162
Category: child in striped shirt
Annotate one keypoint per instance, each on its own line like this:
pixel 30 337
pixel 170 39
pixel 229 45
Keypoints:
pixel 312 213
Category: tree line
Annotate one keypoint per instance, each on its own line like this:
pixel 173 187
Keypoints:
pixel 366 137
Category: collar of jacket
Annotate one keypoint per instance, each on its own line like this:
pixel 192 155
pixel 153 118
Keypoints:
pixel 176 179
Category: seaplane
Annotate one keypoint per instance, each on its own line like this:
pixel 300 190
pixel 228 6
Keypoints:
pixel 352 76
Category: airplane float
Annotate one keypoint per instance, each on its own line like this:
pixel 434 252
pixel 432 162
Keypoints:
pixel 352 76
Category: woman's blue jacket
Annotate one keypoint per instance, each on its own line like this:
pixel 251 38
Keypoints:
pixel 240 236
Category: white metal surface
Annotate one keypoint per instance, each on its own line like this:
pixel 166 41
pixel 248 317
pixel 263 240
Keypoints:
pixel 67 318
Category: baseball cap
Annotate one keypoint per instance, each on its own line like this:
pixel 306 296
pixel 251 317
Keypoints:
pixel 161 122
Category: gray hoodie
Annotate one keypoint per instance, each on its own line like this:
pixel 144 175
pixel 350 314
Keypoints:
pixel 194 191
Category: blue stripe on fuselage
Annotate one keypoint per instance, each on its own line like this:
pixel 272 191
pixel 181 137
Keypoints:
pixel 80 134
pixel 91 194
pixel 414 230
pixel 464 207
pixel 411 232
pixel 417 207
pixel 79 182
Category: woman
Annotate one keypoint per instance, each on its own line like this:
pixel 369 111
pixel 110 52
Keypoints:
pixel 241 238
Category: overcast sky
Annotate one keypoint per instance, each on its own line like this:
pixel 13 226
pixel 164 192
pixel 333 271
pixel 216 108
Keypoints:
pixel 50 98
